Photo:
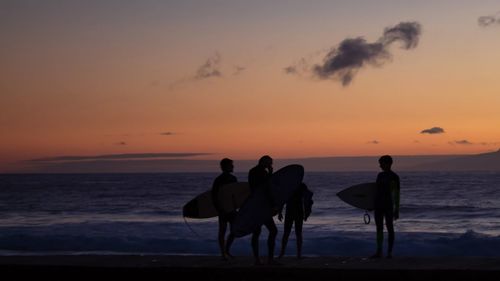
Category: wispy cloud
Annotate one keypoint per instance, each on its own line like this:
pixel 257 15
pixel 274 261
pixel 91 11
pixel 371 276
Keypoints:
pixel 373 142
pixel 167 133
pixel 490 20
pixel 290 70
pixel 118 157
pixel 238 69
pixel 344 61
pixel 461 142
pixel 301 66
pixel 121 143
pixel 433 130
pixel 211 68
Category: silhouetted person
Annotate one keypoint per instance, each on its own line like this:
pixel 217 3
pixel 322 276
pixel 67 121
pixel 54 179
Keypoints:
pixel 226 177
pixel 298 209
pixel 386 204
pixel 258 178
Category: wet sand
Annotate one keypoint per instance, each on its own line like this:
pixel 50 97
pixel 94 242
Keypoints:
pixel 241 268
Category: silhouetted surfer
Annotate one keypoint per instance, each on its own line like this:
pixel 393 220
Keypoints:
pixel 258 178
pixel 226 177
pixel 298 208
pixel 386 204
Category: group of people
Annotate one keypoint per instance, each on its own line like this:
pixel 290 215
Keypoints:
pixel 298 209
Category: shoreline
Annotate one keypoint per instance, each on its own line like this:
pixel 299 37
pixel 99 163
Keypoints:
pixel 241 268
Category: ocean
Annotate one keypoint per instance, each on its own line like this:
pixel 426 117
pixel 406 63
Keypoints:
pixel 442 214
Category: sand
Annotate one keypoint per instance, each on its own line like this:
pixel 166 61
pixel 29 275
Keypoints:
pixel 152 267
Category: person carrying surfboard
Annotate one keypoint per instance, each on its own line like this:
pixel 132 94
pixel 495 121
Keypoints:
pixel 386 204
pixel 258 177
pixel 226 177
pixel 298 209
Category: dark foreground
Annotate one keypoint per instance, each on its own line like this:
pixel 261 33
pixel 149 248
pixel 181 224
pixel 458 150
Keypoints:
pixel 212 268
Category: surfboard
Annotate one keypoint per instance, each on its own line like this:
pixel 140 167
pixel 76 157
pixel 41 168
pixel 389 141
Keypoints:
pixel 257 208
pixel 308 202
pixel 231 197
pixel 360 196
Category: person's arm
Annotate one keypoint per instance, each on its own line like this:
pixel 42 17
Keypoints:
pixel 396 194
pixel 215 195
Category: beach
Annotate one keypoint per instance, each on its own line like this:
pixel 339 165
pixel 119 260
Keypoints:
pixel 175 267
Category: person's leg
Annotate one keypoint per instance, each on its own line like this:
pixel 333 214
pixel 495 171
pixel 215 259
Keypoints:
pixel 271 240
pixel 222 233
pixel 389 218
pixel 255 245
pixel 379 221
pixel 229 242
pixel 298 235
pixel 286 234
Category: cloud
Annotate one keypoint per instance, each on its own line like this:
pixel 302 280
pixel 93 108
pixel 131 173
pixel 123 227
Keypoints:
pixel 121 143
pixel 118 157
pixel 374 142
pixel 344 61
pixel 210 68
pixel 433 130
pixel 302 66
pixel 238 69
pixel 462 142
pixel 486 21
pixel 167 133
pixel 290 70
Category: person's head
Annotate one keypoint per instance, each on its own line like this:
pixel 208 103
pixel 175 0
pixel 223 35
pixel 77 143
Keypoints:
pixel 385 162
pixel 226 165
pixel 266 161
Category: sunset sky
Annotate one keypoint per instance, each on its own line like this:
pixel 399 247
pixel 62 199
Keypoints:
pixel 82 78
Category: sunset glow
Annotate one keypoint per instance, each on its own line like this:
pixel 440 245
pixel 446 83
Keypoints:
pixel 114 77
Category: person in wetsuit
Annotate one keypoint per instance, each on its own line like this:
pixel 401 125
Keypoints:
pixel 226 177
pixel 258 177
pixel 298 209
pixel 386 204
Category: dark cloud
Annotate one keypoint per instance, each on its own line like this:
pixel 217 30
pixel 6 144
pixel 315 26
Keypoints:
pixel 210 68
pixel 486 21
pixel 374 142
pixel 167 133
pixel 433 130
pixel 121 143
pixel 118 157
pixel 344 61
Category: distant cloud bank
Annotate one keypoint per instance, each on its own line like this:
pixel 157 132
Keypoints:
pixel 344 61
pixel 118 157
pixel 433 130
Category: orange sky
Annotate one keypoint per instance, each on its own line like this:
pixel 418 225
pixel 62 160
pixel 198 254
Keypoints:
pixel 112 80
